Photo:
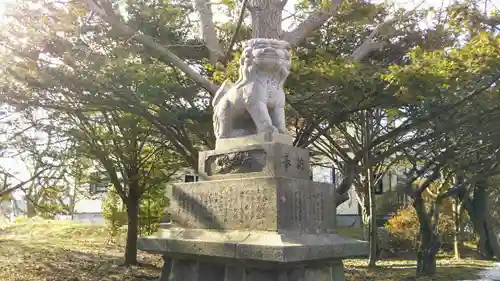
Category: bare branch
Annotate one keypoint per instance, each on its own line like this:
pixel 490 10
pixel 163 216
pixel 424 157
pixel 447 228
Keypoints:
pixel 235 34
pixel 21 184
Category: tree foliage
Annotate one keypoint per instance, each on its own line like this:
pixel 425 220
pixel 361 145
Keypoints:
pixel 129 86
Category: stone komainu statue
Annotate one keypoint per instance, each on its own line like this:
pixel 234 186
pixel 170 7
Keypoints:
pixel 256 102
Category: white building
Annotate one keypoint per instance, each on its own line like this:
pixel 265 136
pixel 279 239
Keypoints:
pixel 349 212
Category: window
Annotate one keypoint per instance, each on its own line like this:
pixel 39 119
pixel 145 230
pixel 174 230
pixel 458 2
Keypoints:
pixel 98 183
pixel 190 178
pixel 334 177
pixel 100 187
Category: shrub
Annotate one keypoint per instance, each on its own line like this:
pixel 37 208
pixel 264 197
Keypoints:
pixel 113 212
pixel 21 219
pixel 404 227
pixel 152 209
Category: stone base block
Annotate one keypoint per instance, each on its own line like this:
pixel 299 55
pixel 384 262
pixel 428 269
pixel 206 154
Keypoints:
pixel 262 203
pixel 256 246
pixel 192 270
pixel 254 160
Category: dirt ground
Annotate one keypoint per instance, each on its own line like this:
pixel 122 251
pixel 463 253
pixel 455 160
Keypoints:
pixel 65 251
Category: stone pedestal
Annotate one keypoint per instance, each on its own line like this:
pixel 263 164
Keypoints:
pixel 255 216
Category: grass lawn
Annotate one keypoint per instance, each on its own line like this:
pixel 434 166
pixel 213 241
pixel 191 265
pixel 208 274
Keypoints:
pixel 66 251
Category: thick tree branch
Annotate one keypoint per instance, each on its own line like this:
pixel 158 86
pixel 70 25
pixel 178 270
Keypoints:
pixel 370 44
pixel 341 191
pixel 205 14
pixel 382 32
pixel 312 22
pixel 163 53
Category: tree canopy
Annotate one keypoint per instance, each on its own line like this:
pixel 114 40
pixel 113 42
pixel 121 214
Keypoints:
pixel 129 86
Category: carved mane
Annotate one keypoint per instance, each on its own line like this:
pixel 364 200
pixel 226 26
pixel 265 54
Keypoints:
pixel 249 60
pixel 244 73
pixel 246 66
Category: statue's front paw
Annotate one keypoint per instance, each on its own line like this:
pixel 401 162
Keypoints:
pixel 270 129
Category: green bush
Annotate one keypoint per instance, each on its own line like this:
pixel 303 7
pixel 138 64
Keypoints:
pixel 21 219
pixel 113 212
pixel 152 209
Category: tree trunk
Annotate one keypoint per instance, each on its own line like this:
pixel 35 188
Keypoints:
pixel 457 218
pixel 208 33
pixel 364 205
pixel 133 223
pixel 367 122
pixel 487 244
pixel 266 18
pixel 372 258
pixel 426 259
pixel 429 241
pixel 30 208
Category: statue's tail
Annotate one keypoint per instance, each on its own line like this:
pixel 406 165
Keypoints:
pixel 224 88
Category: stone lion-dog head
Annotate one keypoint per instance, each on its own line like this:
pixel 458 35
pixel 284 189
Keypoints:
pixel 264 57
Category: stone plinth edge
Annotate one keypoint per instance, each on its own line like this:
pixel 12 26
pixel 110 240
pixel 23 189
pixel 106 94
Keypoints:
pixel 261 138
pixel 252 245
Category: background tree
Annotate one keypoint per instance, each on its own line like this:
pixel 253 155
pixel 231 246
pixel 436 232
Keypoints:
pixel 135 159
pixel 463 143
pixel 26 146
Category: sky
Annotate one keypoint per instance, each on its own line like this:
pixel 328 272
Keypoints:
pixel 289 8
pixel 407 4
pixel 2 5
pixel 17 166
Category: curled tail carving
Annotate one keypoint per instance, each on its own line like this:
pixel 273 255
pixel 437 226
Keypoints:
pixel 224 88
